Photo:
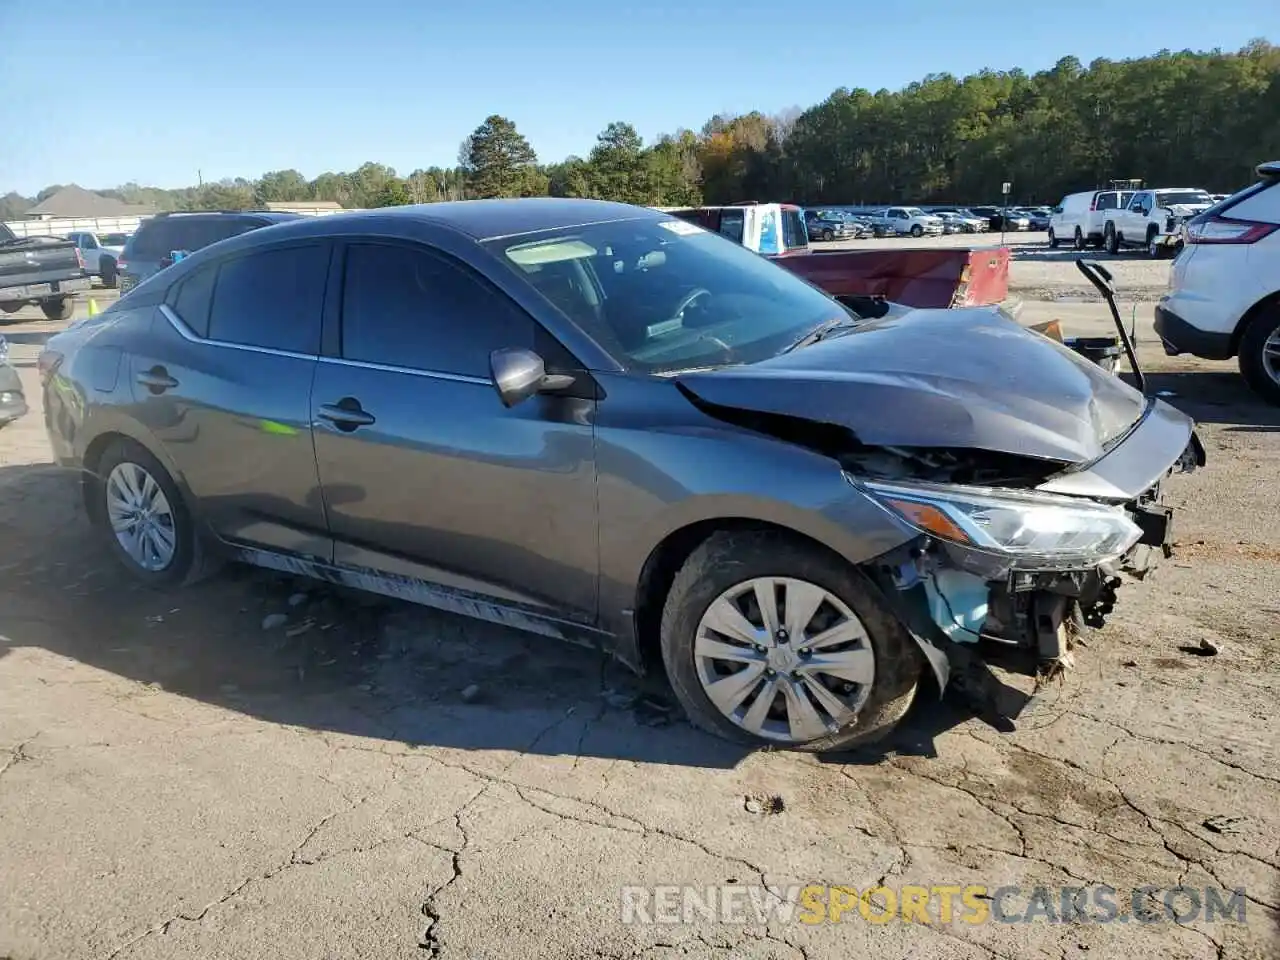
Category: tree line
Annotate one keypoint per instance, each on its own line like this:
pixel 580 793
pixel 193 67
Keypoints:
pixel 1201 119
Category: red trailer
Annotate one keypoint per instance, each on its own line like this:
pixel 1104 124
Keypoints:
pixel 914 276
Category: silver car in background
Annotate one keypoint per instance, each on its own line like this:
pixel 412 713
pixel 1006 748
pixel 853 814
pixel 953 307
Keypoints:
pixel 603 424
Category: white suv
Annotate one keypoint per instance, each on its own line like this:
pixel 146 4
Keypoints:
pixel 1224 289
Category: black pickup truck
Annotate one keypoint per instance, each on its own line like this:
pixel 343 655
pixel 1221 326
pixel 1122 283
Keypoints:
pixel 44 270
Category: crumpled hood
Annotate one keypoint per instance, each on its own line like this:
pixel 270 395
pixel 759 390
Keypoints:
pixel 965 378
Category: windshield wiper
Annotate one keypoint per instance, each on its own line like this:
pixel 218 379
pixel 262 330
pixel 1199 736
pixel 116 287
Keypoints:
pixel 820 332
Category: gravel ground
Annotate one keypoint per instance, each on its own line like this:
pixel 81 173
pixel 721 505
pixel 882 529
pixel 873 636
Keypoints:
pixel 376 780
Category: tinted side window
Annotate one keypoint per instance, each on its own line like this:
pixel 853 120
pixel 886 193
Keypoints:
pixel 190 299
pixel 408 307
pixel 272 299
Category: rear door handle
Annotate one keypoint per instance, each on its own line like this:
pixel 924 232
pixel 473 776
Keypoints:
pixel 157 379
pixel 346 414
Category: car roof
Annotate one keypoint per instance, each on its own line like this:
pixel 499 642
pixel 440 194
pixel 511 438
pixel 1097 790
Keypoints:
pixel 175 216
pixel 489 219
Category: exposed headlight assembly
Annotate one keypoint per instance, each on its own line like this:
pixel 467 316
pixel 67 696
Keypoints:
pixel 1034 531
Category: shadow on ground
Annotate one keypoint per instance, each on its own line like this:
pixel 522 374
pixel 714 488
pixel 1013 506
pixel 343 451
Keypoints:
pixel 340 662
pixel 1214 396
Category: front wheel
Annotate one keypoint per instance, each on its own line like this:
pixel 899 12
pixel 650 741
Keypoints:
pixel 60 308
pixel 772 642
pixel 917 231
pixel 1053 240
pixel 1260 355
pixel 10 306
pixel 828 235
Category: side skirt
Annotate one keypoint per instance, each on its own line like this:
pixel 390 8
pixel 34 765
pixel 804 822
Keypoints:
pixel 428 594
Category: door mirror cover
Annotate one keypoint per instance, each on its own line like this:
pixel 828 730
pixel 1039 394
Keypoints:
pixel 517 374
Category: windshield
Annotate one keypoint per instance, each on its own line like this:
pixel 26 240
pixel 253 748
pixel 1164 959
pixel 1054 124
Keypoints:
pixel 1173 197
pixel 666 295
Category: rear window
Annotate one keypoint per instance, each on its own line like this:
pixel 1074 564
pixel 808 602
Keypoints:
pixel 156 239
pixel 1109 201
pixel 732 225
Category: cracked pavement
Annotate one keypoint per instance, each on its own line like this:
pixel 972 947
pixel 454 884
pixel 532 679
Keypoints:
pixel 178 782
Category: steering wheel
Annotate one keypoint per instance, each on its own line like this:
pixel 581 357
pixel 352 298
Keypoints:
pixel 688 299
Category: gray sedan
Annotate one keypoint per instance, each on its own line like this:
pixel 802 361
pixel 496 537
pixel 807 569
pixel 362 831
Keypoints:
pixel 599 423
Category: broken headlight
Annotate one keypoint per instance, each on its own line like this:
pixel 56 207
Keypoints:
pixel 1035 531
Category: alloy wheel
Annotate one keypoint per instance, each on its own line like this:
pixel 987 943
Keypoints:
pixel 141 517
pixel 1271 356
pixel 784 659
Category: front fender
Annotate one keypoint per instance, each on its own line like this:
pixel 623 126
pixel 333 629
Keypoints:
pixel 653 484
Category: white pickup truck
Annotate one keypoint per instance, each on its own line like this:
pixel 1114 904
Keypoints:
pixel 910 220
pixel 1153 219
pixel 101 253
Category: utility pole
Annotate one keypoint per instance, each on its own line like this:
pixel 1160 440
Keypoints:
pixel 1004 212
pixel 199 177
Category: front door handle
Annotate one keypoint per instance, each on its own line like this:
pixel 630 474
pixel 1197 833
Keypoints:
pixel 346 414
pixel 157 379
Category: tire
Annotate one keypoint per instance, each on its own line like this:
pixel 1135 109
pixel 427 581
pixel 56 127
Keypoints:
pixel 917 231
pixel 1152 249
pixel 727 561
pixel 188 562
pixel 1077 240
pixel 1053 239
pixel 10 306
pixel 1111 239
pixel 828 235
pixel 60 308
pixel 110 278
pixel 1263 332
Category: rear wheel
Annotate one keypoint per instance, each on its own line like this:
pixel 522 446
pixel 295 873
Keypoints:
pixel 1259 357
pixel 770 641
pixel 108 273
pixel 10 306
pixel 144 518
pixel 60 308
pixel 1111 239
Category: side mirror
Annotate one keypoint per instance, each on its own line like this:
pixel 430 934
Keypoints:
pixel 519 374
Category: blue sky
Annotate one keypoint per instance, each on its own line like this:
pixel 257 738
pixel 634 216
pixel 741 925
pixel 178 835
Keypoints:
pixel 153 90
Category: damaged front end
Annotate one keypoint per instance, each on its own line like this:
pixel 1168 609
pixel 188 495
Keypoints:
pixel 1011 576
